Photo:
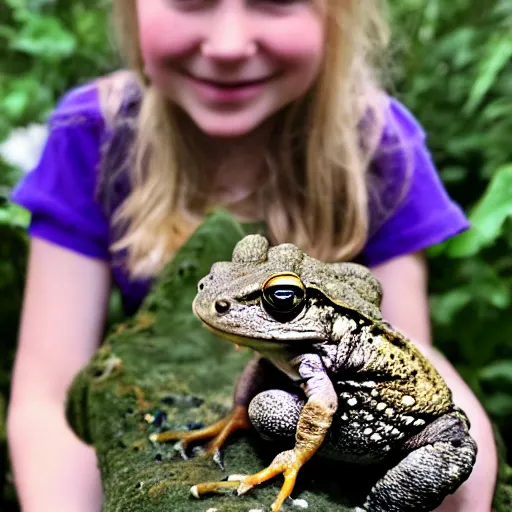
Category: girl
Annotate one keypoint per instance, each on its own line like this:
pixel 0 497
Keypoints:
pixel 269 108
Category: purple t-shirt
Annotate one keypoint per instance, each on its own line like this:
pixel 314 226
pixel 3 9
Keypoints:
pixel 61 191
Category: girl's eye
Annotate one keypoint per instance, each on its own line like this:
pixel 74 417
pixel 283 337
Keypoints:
pixel 283 2
pixel 184 4
pixel 283 5
pixel 189 4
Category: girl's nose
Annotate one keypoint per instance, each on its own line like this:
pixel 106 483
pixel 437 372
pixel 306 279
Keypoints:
pixel 229 36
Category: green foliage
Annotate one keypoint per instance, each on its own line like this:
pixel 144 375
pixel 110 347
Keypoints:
pixel 455 74
pixel 50 46
pixel 488 218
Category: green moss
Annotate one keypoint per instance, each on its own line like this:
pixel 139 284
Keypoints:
pixel 164 362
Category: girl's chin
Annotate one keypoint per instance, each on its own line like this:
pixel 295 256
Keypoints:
pixel 226 124
pixel 226 128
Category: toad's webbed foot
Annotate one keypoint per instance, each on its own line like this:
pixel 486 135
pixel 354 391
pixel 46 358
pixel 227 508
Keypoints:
pixel 287 463
pixel 442 457
pixel 277 415
pixel 220 431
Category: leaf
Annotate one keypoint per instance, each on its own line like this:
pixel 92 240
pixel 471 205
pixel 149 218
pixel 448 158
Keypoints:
pixel 497 109
pixel 7 32
pixel 15 103
pixel 487 218
pixel 499 405
pixel 22 93
pixel 454 174
pixel 14 215
pixel 498 53
pixel 44 37
pixel 445 307
pixel 499 374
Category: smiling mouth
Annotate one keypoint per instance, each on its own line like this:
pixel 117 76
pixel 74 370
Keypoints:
pixel 230 86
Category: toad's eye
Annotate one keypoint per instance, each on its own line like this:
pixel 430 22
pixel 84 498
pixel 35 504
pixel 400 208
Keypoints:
pixel 284 296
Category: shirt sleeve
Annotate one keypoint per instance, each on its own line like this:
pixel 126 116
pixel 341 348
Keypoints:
pixel 426 215
pixel 60 192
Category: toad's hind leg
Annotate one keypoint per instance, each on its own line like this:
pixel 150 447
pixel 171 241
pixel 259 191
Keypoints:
pixel 442 457
pixel 275 414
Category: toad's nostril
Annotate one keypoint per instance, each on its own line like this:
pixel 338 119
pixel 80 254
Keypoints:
pixel 222 306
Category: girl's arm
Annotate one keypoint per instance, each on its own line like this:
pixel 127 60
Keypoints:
pixel 405 306
pixel 66 299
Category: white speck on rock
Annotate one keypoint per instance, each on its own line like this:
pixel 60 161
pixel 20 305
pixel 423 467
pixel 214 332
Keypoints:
pixel 149 418
pixel 376 437
pixel 352 402
pixel 381 406
pixel 303 504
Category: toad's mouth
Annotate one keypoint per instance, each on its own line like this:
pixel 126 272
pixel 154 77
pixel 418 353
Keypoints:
pixel 265 345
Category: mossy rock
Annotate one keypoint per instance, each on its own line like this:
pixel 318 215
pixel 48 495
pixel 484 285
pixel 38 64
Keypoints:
pixel 162 370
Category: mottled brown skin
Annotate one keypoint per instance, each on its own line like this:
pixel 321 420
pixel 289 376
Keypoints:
pixel 357 390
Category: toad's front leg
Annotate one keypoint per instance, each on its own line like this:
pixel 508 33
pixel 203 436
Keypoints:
pixel 313 425
pixel 253 379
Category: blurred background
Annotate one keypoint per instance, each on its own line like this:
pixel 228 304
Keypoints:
pixel 450 63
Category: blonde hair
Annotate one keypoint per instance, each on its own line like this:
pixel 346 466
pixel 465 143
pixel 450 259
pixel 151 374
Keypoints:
pixel 317 196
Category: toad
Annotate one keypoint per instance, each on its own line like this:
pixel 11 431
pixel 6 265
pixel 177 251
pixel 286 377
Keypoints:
pixel 358 392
